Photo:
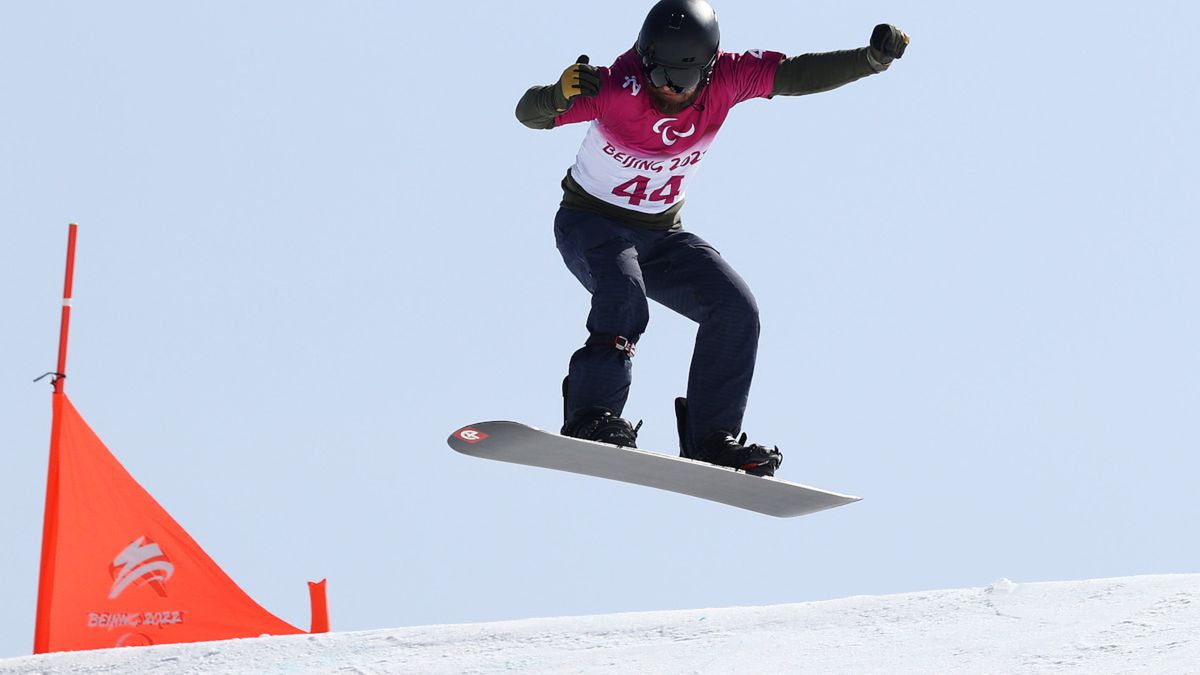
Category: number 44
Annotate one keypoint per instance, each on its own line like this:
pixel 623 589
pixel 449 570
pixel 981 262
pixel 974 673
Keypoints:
pixel 635 190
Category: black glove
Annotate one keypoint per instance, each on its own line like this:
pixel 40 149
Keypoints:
pixel 578 80
pixel 887 43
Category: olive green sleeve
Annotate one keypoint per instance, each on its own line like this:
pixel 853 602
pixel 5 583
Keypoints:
pixel 813 73
pixel 539 106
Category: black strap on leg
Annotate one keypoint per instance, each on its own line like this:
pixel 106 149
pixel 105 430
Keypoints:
pixel 618 342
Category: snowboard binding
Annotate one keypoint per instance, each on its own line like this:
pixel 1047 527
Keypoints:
pixel 724 449
pixel 597 423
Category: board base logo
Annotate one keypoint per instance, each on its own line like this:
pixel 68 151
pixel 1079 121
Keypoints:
pixel 470 435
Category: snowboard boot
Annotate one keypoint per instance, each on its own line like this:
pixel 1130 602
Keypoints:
pixel 600 424
pixel 722 449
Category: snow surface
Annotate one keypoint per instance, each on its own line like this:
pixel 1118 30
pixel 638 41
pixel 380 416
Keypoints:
pixel 1147 624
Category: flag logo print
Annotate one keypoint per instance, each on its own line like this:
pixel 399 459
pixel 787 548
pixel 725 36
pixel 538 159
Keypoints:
pixel 142 562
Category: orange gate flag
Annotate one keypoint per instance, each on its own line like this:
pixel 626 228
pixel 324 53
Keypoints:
pixel 117 570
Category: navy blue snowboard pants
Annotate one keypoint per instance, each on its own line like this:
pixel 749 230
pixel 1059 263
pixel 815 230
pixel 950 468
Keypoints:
pixel 623 265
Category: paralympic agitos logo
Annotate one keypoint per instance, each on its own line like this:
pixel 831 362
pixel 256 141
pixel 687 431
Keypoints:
pixel 669 135
pixel 142 563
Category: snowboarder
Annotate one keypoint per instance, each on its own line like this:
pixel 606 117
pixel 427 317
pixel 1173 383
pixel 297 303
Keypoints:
pixel 654 113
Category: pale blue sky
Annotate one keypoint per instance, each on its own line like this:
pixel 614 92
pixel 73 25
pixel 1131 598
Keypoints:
pixel 314 241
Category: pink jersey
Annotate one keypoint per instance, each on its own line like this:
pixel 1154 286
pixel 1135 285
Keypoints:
pixel 637 158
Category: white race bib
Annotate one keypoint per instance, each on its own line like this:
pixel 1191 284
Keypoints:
pixel 635 181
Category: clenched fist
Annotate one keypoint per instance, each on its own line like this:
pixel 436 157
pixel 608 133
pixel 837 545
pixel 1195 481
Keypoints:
pixel 579 79
pixel 887 43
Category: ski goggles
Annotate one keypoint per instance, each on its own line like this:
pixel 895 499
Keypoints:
pixel 678 79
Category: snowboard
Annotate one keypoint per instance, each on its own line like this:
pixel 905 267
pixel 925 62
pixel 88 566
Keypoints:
pixel 521 444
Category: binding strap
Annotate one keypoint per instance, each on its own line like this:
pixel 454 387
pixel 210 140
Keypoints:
pixel 618 342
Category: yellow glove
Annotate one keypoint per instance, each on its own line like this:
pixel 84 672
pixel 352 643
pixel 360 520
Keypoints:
pixel 579 79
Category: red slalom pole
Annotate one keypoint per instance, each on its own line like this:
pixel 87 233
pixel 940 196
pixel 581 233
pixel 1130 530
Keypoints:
pixel 41 633
pixel 61 372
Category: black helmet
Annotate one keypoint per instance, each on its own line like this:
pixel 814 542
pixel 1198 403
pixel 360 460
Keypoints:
pixel 678 43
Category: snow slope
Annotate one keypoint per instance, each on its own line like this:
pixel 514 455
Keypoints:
pixel 1136 624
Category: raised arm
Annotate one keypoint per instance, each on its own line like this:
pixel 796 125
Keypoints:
pixel 813 73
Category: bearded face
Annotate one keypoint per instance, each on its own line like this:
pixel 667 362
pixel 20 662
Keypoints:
pixel 670 102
